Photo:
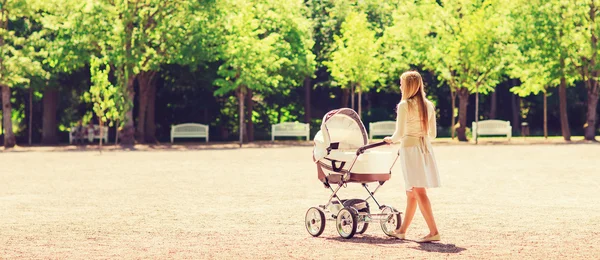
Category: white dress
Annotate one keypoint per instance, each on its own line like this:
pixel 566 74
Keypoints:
pixel 416 153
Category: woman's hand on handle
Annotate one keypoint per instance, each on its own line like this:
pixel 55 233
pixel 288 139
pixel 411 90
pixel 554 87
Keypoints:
pixel 388 140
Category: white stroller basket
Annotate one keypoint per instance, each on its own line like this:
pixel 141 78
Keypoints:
pixel 342 156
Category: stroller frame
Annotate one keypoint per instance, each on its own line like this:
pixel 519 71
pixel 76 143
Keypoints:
pixel 352 216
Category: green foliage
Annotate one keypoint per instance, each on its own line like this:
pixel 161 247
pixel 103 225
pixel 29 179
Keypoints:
pixel 467 42
pixel 21 43
pixel 265 45
pixel 205 50
pixel 355 59
pixel 405 42
pixel 107 98
pixel 544 34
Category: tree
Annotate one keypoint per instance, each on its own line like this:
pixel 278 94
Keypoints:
pixel 140 37
pixel 253 52
pixel 355 62
pixel 21 48
pixel 74 38
pixel 467 42
pixel 289 20
pixel 587 30
pixel 104 95
pixel 402 45
pixel 541 30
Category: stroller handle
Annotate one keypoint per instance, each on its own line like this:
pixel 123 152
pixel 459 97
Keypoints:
pixel 369 146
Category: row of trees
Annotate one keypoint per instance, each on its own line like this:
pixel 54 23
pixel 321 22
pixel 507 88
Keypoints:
pixel 260 52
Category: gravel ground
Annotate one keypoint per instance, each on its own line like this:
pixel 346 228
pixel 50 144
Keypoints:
pixel 497 202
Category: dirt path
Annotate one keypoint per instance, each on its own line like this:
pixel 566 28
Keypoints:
pixel 521 202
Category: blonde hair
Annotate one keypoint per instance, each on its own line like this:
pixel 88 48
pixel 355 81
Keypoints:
pixel 414 90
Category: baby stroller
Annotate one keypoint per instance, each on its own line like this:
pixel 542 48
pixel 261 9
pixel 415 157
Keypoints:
pixel 342 156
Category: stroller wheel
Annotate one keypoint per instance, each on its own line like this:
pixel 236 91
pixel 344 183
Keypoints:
pixel 361 206
pixel 392 221
pixel 362 227
pixel 346 222
pixel 315 221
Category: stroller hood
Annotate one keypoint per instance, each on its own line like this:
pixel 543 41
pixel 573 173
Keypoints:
pixel 341 129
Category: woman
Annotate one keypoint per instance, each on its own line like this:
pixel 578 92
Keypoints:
pixel 415 125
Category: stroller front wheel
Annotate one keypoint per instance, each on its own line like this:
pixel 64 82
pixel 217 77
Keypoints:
pixel 346 222
pixel 315 221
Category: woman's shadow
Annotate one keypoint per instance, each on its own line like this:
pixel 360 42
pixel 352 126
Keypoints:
pixel 439 248
pixel 379 240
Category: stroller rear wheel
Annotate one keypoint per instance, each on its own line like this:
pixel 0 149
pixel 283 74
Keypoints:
pixel 362 207
pixel 346 222
pixel 315 221
pixel 362 227
pixel 392 221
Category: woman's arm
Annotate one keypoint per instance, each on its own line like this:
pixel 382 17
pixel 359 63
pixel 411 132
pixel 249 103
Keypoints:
pixel 401 116
pixel 432 123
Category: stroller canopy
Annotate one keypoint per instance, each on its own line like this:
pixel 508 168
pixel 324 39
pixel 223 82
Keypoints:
pixel 341 129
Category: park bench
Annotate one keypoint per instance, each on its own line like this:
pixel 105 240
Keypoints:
pixel 91 134
pixel 290 129
pixel 386 128
pixel 492 127
pixel 189 130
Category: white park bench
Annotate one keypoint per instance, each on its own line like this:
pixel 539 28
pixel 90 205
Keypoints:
pixel 386 128
pixel 189 130
pixel 290 129
pixel 492 127
pixel 91 134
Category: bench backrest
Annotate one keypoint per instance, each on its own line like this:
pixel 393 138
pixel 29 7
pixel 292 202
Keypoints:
pixel 291 128
pixel 189 128
pixel 492 127
pixel 382 127
pixel 96 130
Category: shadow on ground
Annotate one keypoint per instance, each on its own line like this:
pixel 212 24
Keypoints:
pixel 439 248
pixel 384 240
pixel 367 239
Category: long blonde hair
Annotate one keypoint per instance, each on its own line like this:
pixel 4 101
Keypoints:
pixel 414 89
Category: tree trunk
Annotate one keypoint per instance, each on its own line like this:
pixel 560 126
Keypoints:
pixel 368 101
pixel 494 105
pixel 150 114
pixel 463 100
pixel 564 117
pixel 140 133
pixel 145 79
pixel 545 114
pixel 453 102
pixel 49 126
pixel 352 96
pixel 592 102
pixel 240 94
pixel 345 94
pixel 30 115
pixel 9 136
pixel 101 125
pixel 593 88
pixel 128 131
pixel 117 132
pixel 359 102
pixel 249 109
pixel 476 112
pixel 515 102
pixel 307 105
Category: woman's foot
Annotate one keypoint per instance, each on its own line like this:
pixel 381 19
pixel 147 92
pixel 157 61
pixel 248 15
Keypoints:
pixel 398 235
pixel 429 238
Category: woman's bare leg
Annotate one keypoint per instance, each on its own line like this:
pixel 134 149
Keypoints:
pixel 425 207
pixel 411 207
